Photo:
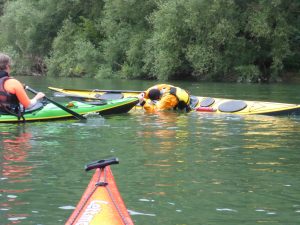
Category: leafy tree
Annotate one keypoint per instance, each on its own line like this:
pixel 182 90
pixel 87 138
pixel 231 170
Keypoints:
pixel 213 38
pixel 165 48
pixel 232 40
pixel 126 30
pixel 268 32
pixel 29 27
pixel 2 2
pixel 73 53
pixel 292 62
pixel 18 30
pixel 192 38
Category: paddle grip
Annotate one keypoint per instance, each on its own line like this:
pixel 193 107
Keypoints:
pixel 101 163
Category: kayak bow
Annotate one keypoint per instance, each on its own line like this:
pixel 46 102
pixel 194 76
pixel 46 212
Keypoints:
pixel 101 202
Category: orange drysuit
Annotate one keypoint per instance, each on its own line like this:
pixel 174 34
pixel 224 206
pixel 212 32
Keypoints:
pixel 167 100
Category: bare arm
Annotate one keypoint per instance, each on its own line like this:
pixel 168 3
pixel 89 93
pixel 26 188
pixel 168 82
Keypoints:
pixel 14 86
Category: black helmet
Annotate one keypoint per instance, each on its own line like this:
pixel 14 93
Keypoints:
pixel 154 94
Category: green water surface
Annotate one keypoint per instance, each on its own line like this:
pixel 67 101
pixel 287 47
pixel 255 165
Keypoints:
pixel 175 169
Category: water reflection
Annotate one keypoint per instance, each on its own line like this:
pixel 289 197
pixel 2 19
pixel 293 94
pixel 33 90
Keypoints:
pixel 225 165
pixel 15 147
pixel 262 127
pixel 165 127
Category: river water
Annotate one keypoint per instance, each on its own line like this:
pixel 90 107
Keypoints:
pixel 175 169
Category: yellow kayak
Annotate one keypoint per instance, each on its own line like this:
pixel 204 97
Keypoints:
pixel 200 103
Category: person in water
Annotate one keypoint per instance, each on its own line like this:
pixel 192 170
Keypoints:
pixel 12 92
pixel 163 97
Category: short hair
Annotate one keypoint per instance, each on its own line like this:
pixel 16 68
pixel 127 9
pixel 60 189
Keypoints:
pixel 154 94
pixel 4 61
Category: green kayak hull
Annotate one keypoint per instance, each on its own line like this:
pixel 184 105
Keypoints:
pixel 52 112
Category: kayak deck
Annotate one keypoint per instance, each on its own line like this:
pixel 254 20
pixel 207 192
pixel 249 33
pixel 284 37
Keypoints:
pixel 101 202
pixel 203 104
pixel 243 107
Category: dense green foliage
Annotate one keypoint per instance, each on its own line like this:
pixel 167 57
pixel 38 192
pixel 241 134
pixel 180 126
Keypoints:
pixel 231 40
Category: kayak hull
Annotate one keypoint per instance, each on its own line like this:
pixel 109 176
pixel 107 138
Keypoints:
pixel 204 104
pixel 243 107
pixel 101 202
pixel 52 112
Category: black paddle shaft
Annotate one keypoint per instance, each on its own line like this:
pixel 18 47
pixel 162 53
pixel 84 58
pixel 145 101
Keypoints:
pixel 75 114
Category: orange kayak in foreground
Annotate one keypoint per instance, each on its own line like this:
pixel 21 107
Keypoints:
pixel 101 202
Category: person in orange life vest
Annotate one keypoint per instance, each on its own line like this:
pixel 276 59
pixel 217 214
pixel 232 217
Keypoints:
pixel 12 92
pixel 163 97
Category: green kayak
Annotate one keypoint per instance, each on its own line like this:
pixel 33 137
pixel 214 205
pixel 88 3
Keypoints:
pixel 52 112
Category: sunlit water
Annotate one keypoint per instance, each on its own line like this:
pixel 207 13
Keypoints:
pixel 196 168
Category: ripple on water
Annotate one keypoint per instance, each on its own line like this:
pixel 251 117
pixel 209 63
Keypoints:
pixel 134 213
pixel 67 207
pixel 17 218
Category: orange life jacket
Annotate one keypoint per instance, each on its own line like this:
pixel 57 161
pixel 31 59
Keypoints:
pixel 9 103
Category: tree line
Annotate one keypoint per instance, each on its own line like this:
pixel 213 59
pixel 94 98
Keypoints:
pixel 216 40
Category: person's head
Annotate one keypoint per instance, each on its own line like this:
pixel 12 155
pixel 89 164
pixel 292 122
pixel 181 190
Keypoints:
pixel 5 61
pixel 154 94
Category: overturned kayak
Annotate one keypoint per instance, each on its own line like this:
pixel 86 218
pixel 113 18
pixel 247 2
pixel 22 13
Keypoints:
pixel 52 112
pixel 200 104
pixel 242 107
pixel 101 202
